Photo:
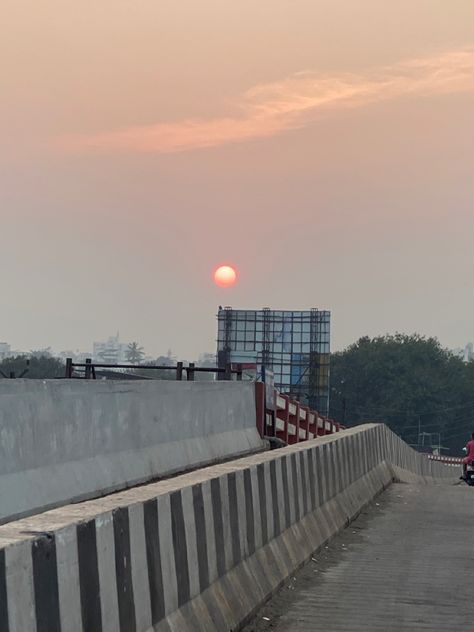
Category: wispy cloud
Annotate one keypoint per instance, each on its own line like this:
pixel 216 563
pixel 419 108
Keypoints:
pixel 293 103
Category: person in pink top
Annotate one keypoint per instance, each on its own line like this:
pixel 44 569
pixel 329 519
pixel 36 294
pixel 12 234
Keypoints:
pixel 469 456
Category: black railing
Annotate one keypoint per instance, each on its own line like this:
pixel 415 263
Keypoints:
pixel 12 375
pixel 180 370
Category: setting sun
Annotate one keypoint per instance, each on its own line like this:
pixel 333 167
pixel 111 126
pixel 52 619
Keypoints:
pixel 225 276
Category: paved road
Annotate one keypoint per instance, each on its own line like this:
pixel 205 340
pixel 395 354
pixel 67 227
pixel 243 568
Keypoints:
pixel 407 563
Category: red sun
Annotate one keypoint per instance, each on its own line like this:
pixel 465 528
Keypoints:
pixel 225 276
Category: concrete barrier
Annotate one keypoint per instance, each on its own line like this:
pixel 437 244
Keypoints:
pixel 200 552
pixel 68 440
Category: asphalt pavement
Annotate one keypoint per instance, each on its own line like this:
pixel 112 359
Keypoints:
pixel 406 564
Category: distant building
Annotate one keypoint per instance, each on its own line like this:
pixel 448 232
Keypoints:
pixel 466 354
pixel 112 351
pixel 165 360
pixel 76 356
pixel 469 352
pixel 295 345
pixel 5 350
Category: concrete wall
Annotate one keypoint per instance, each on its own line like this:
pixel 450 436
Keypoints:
pixel 64 440
pixel 200 552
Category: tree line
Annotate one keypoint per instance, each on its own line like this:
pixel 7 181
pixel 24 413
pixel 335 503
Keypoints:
pixel 41 364
pixel 424 392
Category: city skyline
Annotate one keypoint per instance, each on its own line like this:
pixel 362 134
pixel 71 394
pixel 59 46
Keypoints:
pixel 7 351
pixel 112 349
pixel 322 147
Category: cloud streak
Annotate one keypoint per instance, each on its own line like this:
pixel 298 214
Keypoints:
pixel 293 103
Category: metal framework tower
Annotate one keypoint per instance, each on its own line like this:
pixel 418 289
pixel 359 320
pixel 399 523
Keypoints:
pixel 295 345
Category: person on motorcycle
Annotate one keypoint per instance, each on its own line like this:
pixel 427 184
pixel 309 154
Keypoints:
pixel 469 458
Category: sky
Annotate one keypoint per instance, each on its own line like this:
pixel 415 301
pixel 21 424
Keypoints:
pixel 323 147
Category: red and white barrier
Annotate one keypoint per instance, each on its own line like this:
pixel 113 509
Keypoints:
pixel 293 421
pixel 449 460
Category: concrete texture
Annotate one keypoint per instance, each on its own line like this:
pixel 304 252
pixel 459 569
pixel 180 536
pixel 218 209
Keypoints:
pixel 67 440
pixel 199 552
pixel 404 565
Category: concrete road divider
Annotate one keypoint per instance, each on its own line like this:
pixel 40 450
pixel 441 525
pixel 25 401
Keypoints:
pixel 68 440
pixel 200 552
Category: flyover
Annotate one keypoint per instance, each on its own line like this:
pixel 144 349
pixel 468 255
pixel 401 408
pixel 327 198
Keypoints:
pixel 203 550
pixel 404 564
pixel 63 441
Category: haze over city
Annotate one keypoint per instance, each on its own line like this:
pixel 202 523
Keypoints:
pixel 322 147
pixel 236 315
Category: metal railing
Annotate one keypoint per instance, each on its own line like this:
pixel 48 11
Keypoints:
pixel 289 420
pixel 12 374
pixel 180 370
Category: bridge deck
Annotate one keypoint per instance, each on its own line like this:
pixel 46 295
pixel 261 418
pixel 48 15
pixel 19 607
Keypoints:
pixel 407 563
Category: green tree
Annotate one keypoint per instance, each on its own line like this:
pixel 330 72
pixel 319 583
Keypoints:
pixel 41 353
pixel 35 367
pixel 408 382
pixel 135 353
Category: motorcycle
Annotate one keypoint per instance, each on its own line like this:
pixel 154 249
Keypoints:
pixel 469 476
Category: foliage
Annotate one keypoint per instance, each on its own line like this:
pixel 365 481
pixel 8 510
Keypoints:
pixel 158 374
pixel 36 367
pixel 41 353
pixel 167 360
pixel 135 353
pixel 409 382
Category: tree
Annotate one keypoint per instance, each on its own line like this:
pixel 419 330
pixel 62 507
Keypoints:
pixel 156 374
pixel 135 353
pixel 35 367
pixel 166 360
pixel 41 353
pixel 409 382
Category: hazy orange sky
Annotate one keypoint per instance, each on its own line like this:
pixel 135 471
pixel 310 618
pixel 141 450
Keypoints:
pixel 323 146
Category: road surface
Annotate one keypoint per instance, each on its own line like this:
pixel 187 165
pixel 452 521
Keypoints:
pixel 407 563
